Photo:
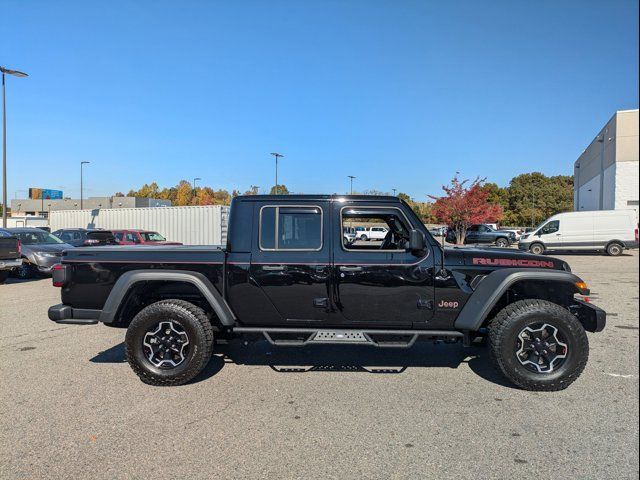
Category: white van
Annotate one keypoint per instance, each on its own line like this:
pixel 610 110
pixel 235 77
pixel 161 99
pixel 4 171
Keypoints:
pixel 604 230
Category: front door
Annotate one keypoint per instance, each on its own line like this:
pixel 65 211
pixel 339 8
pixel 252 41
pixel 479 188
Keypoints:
pixel 551 235
pixel 292 261
pixel 380 283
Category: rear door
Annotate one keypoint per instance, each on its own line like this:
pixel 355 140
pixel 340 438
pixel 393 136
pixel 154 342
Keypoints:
pixel 291 260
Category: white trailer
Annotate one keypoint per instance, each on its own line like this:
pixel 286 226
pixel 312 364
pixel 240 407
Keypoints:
pixel 26 221
pixel 201 225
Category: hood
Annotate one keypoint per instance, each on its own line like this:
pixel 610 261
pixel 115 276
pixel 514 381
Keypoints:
pixel 493 258
pixel 57 247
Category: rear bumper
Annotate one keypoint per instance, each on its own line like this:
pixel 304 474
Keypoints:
pixel 65 314
pixel 633 244
pixel 9 264
pixel 592 318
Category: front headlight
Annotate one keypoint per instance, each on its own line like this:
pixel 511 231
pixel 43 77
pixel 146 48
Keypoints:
pixel 48 254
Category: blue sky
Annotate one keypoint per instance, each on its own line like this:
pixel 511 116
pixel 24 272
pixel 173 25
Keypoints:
pixel 401 94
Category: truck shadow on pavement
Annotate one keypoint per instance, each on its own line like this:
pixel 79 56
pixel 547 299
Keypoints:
pixel 337 358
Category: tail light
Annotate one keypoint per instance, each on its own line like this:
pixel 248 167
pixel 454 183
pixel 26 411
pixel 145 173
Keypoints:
pixel 636 234
pixel 20 244
pixel 60 274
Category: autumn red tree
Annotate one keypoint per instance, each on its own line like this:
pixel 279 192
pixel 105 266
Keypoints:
pixel 465 204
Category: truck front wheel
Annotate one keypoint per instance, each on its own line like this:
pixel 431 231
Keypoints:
pixel 538 345
pixel 169 342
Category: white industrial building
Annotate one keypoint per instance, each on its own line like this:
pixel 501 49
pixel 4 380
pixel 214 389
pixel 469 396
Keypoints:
pixel 606 174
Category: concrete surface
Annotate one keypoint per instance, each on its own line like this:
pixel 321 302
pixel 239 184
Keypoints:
pixel 71 407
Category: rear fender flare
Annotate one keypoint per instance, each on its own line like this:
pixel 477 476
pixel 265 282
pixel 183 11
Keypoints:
pixel 493 287
pixel 197 279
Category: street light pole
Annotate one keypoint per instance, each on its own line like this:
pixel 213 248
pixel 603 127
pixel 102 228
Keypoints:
pixel 15 73
pixel 351 177
pixel 277 156
pixel 81 184
pixel 394 191
pixel 194 184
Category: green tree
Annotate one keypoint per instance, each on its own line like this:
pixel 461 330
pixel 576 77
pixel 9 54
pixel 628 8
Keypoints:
pixel 282 190
pixel 533 197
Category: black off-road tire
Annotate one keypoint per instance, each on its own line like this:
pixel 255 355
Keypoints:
pixel 502 242
pixel 197 327
pixel 537 248
pixel 510 321
pixel 4 274
pixel 615 249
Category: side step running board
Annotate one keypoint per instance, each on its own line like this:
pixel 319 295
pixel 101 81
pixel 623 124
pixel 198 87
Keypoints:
pixel 379 338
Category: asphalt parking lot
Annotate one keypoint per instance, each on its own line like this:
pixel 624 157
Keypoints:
pixel 72 408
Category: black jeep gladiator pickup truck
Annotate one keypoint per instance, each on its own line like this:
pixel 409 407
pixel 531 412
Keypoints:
pixel 287 274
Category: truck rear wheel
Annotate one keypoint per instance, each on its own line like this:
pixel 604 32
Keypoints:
pixel 614 249
pixel 538 345
pixel 169 342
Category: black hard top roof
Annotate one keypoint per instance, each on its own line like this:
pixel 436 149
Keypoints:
pixel 318 197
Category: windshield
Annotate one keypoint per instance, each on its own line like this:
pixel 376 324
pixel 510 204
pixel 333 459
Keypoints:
pixel 37 237
pixel 152 237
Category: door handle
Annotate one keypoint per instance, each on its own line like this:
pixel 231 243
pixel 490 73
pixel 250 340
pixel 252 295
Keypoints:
pixel 350 269
pixel 273 268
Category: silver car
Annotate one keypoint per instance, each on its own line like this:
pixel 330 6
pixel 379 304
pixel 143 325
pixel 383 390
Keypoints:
pixel 40 250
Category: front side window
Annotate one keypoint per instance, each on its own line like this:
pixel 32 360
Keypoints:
pixel 152 237
pixel 393 237
pixel 551 227
pixel 290 228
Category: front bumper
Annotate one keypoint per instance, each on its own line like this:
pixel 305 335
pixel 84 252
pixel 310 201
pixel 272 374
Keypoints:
pixel 9 264
pixel 65 314
pixel 592 318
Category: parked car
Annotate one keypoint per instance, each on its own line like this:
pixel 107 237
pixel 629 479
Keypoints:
pixel 285 276
pixel 484 233
pixel 10 255
pixel 40 250
pixel 82 237
pixel 438 231
pixel 610 231
pixel 140 237
pixel 372 233
pixel 349 235
pixel 518 233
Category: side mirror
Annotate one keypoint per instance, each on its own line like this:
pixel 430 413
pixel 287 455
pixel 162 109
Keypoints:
pixel 539 233
pixel 416 240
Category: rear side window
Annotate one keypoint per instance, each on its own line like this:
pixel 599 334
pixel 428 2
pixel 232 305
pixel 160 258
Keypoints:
pixel 290 228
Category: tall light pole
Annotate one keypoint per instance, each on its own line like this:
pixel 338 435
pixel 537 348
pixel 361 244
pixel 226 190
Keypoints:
pixel 351 177
pixel 15 73
pixel 394 191
pixel 277 156
pixel 194 184
pixel 84 162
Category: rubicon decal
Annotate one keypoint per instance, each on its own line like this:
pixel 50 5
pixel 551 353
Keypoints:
pixel 512 262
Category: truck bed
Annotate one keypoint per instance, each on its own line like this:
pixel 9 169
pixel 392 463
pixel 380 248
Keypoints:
pixel 97 269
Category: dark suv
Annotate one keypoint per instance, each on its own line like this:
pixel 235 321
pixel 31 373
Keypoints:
pixel 82 237
pixel 484 234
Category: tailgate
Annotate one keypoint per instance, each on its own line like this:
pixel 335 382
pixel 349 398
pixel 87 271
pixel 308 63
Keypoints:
pixel 9 248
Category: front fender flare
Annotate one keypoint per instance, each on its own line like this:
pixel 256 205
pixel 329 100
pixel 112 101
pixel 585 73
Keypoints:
pixel 491 289
pixel 197 279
